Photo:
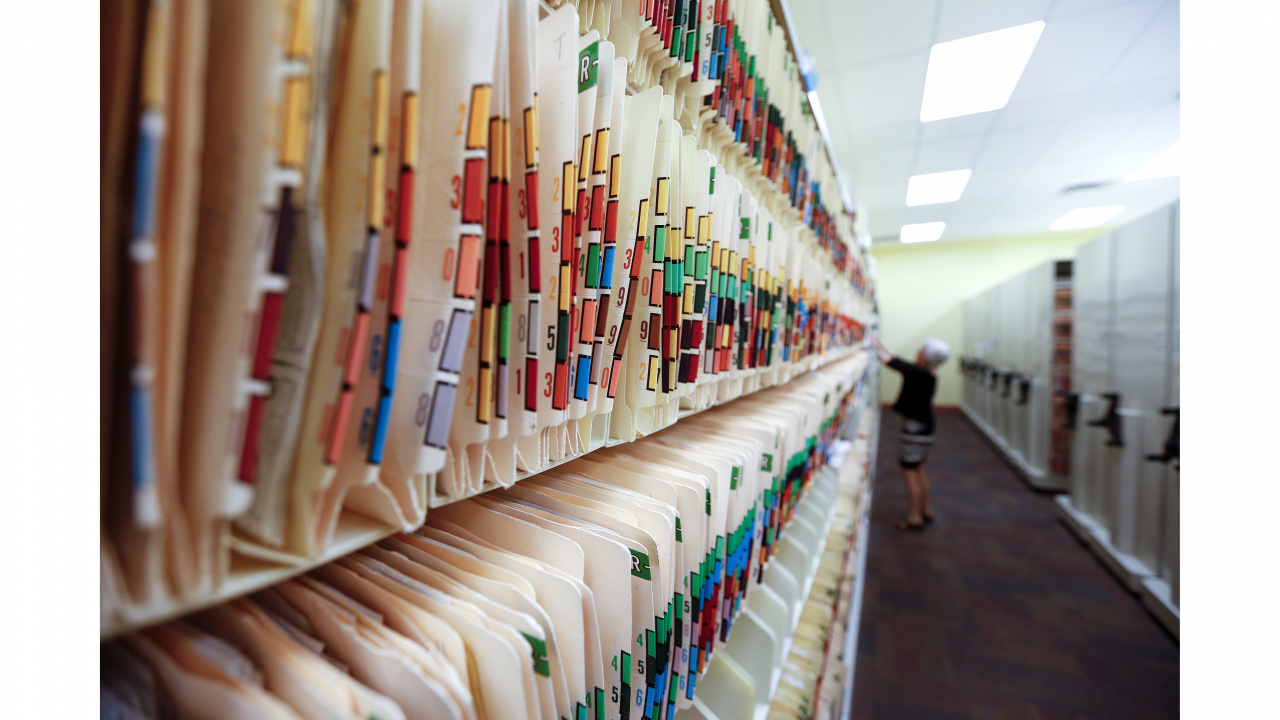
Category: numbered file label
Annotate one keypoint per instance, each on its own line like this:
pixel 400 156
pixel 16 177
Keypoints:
pixel 557 144
pixel 459 47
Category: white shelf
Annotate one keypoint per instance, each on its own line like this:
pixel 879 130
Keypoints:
pixel 854 621
pixel 736 677
pixel 249 574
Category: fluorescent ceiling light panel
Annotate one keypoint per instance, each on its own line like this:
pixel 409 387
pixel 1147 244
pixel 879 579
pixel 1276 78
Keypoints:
pixel 1167 164
pixel 943 187
pixel 921 232
pixel 977 73
pixel 1082 218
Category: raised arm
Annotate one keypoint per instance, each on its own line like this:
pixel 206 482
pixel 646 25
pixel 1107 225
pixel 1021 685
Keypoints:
pixel 882 353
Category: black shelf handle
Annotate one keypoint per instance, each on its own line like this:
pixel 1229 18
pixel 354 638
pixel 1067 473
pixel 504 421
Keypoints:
pixel 1008 383
pixel 1070 403
pixel 1024 389
pixel 1111 420
pixel 1171 442
pixel 995 378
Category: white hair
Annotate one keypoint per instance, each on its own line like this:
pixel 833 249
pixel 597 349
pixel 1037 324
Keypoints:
pixel 936 351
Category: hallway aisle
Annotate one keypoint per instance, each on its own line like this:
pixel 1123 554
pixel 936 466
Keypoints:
pixel 995 610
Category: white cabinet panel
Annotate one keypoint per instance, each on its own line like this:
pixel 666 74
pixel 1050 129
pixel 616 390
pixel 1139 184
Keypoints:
pixel 1092 296
pixel 1170 545
pixel 1175 315
pixel 1142 265
pixel 1169 568
pixel 1041 423
pixel 1135 521
pixel 1126 341
pixel 1040 348
pixel 1153 487
pixel 1087 455
pixel 1040 327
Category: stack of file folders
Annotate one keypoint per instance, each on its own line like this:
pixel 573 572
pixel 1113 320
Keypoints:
pixel 600 589
pixel 369 257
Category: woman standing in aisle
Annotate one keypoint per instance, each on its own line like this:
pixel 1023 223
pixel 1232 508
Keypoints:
pixel 915 405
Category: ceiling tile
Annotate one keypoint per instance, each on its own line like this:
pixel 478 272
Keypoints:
pixel 884 92
pixel 1047 177
pixel 969 217
pixel 883 137
pixel 1098 98
pixel 944 155
pixel 885 221
pixel 1089 135
pixel 962 18
pixel 1071 8
pixel 991 181
pixel 1155 132
pixel 868 30
pixel 929 213
pixel 883 174
pixel 1158 128
pixel 971 211
pixel 1017 146
pixel 1012 218
pixel 1154 55
pixel 1054 110
pixel 1151 93
pixel 1113 167
pixel 978 123
pixel 812 34
pixel 1075 53
pixel 831 99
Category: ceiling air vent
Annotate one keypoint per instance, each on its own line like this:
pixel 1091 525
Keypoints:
pixel 1084 186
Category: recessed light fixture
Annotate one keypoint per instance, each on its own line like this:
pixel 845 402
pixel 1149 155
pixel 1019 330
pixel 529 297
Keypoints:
pixel 1088 217
pixel 1167 164
pixel 943 187
pixel 921 232
pixel 977 73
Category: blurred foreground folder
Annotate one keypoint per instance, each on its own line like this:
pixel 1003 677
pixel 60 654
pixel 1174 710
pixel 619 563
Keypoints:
pixel 290 309
pixel 353 218
pixel 246 40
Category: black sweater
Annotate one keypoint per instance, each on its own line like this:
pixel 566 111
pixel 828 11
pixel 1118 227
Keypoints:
pixel 915 401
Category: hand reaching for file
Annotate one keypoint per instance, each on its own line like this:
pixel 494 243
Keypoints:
pixel 881 352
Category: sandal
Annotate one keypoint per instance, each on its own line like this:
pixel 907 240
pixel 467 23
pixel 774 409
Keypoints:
pixel 903 524
pixel 928 519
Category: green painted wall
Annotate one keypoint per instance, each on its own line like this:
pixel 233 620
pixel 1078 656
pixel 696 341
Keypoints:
pixel 923 287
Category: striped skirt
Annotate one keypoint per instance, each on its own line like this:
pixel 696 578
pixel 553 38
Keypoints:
pixel 914 444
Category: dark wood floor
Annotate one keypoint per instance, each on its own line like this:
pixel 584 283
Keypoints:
pixel 996 611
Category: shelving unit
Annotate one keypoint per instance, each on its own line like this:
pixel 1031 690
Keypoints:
pixel 249 574
pixel 1060 437
pixel 854 621
pixel 1015 334
pixel 807 292
pixel 743 678
pixel 1124 495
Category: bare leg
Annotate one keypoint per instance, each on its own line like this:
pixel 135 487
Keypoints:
pixel 915 496
pixel 926 503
